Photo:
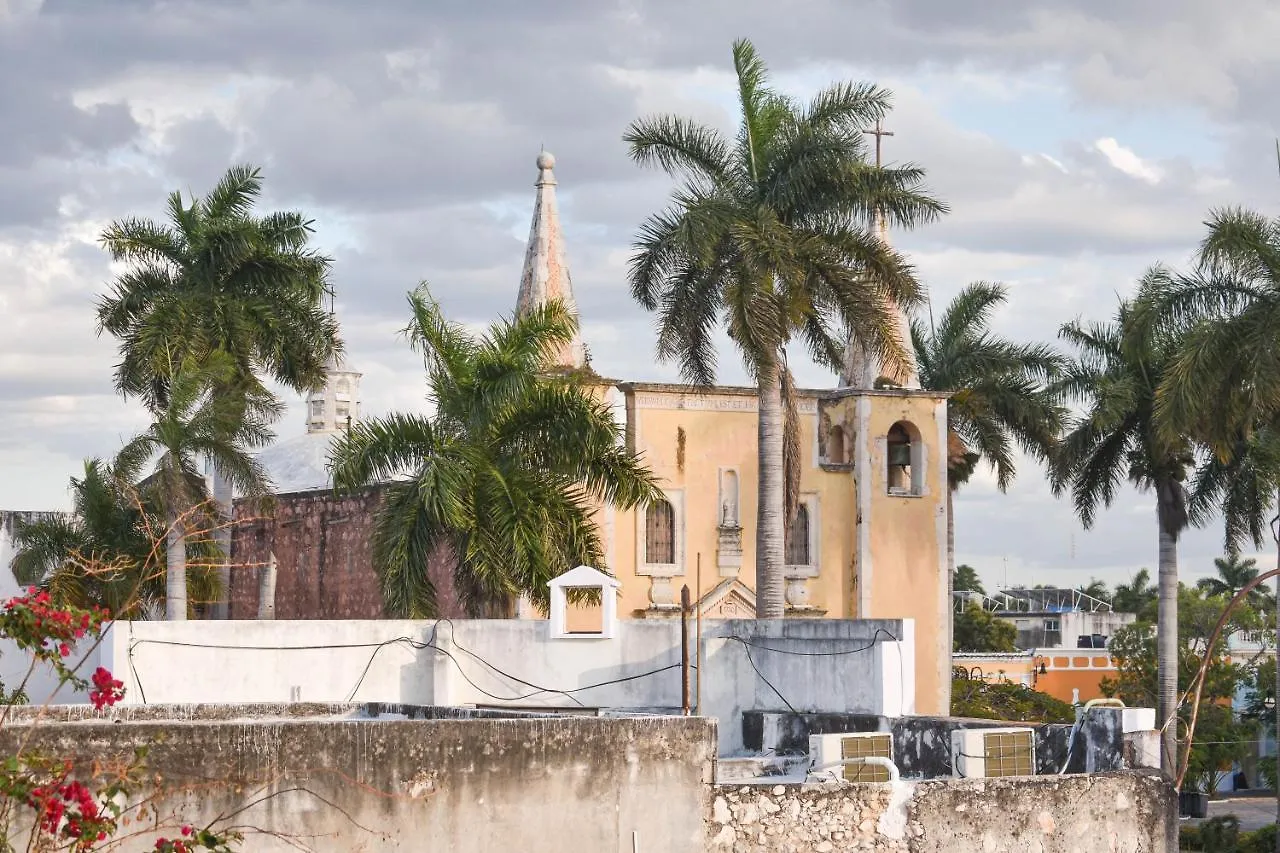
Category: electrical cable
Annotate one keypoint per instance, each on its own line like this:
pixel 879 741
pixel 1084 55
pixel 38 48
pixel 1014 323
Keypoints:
pixel 412 643
pixel 747 645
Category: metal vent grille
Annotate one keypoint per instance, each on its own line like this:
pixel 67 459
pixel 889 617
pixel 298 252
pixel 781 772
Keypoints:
pixel 865 746
pixel 1009 754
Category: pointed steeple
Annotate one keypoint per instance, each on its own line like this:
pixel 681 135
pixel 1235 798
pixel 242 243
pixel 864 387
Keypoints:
pixel 546 274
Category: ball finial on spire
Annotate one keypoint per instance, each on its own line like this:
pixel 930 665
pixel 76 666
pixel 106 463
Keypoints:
pixel 546 161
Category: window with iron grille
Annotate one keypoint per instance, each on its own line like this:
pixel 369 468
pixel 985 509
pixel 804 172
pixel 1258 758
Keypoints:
pixel 660 534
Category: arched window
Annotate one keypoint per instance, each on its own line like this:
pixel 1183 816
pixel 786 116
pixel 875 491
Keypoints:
pixel 729 498
pixel 660 534
pixel 903 449
pixel 835 446
pixel 797 545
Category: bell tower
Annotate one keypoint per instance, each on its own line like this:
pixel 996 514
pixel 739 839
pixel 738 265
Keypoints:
pixel 336 405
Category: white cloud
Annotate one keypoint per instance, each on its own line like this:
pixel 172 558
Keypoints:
pixel 1127 161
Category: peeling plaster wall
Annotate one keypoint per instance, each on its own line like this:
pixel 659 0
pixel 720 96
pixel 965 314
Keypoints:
pixel 567 785
pixel 1105 813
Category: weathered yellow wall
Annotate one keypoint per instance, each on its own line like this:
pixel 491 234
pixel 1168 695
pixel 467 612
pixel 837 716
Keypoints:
pixel 904 569
pixel 687 440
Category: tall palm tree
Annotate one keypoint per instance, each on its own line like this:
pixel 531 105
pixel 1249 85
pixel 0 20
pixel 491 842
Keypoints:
pixel 104 552
pixel 1137 596
pixel 1002 396
pixel 206 415
pixel 216 276
pixel 1118 368
pixel 769 236
pixel 503 475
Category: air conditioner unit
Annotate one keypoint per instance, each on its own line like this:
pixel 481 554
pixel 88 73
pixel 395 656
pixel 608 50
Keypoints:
pixel 987 753
pixel 826 751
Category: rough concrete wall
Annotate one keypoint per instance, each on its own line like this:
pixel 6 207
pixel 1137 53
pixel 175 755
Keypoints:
pixel 580 785
pixel 324 567
pixel 1106 813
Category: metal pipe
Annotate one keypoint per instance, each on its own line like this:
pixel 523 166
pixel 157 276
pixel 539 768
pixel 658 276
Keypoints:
pixel 877 760
pixel 684 650
pixel 697 701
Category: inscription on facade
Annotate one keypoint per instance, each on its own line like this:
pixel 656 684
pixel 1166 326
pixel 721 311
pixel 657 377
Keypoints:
pixel 710 402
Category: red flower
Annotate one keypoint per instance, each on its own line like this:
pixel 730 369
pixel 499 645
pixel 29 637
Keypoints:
pixel 106 690
pixel 186 830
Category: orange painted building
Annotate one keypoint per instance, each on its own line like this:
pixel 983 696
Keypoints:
pixel 1072 675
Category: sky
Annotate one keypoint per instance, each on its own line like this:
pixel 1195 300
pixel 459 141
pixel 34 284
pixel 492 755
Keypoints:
pixel 1076 143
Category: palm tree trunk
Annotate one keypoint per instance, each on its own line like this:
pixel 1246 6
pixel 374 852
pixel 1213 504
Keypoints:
pixel 1277 693
pixel 1167 648
pixel 951 578
pixel 770 507
pixel 222 498
pixel 175 582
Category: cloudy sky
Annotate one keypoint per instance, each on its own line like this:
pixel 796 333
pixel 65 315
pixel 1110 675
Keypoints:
pixel 1076 142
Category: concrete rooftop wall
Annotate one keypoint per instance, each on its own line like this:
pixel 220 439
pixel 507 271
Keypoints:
pixel 852 666
pixel 563 785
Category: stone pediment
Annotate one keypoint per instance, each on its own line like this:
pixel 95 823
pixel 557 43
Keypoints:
pixel 729 599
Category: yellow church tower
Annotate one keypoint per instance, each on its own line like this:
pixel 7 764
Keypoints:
pixel 869 537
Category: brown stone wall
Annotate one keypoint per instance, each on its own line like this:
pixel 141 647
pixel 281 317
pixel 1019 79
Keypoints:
pixel 323 548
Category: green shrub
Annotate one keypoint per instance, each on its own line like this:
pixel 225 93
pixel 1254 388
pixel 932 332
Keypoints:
pixel 1259 841
pixel 1221 834
pixel 1189 837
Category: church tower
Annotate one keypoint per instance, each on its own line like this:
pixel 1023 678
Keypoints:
pixel 335 406
pixel 862 368
pixel 546 273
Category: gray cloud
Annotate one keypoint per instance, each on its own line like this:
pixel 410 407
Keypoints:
pixel 409 132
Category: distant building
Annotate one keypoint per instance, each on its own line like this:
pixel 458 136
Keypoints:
pixel 1062 637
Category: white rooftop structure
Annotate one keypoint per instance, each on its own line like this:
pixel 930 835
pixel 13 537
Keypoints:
pixel 299 464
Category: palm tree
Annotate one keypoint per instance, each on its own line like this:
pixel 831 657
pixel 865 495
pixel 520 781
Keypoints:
pixel 965 579
pixel 1234 573
pixel 1116 374
pixel 1137 596
pixel 206 415
pixel 104 553
pixel 1096 589
pixel 503 475
pixel 1224 383
pixel 217 277
pixel 1001 396
pixel 769 235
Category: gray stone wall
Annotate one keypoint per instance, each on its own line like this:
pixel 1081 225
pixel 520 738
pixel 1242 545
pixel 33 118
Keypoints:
pixel 534 785
pixel 1104 813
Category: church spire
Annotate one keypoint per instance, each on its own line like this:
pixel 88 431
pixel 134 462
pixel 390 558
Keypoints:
pixel 861 367
pixel 546 274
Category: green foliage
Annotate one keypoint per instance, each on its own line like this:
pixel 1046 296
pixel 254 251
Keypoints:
pixel 769 236
pixel 1137 596
pixel 1234 573
pixel 103 554
pixel 965 579
pixel 1220 737
pixel 502 476
pixel 1002 397
pixel 977 630
pixel 1223 835
pixel 1003 700
pixel 215 277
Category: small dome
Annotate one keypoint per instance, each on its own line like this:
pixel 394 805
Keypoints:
pixel 299 464
pixel 546 161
